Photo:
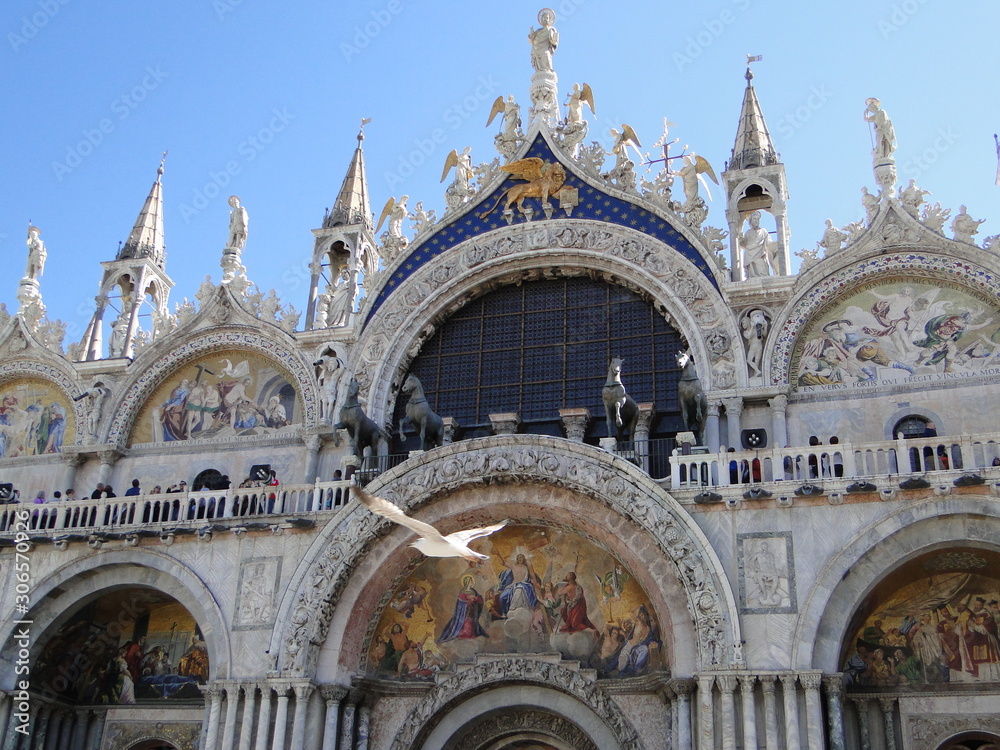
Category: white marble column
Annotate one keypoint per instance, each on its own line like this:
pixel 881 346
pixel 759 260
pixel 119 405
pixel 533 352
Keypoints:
pixel 712 437
pixel 864 731
pixel 333 695
pixel 108 461
pixel 747 682
pixel 833 685
pixel 788 693
pixel 79 738
pixel 347 727
pixel 814 709
pixel 770 711
pixel 313 444
pixel 683 689
pixel 727 689
pixel 39 728
pixel 281 718
pixel 249 705
pixel 734 410
pixel 213 707
pixel 888 706
pixel 95 734
pixel 232 706
pixel 302 694
pixel 264 722
pixel 779 426
pixel 706 712
pixel 364 718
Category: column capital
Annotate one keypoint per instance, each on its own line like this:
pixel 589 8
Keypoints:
pixel 575 422
pixel 747 681
pixel 811 680
pixel 213 691
pixel 834 683
pixel 888 703
pixel 110 457
pixel 682 686
pixel 505 423
pixel 734 406
pixel 713 405
pixel 312 442
pixel 332 694
pixel 73 460
pixel 788 679
pixel 778 402
pixel 767 685
pixel 726 682
pixel 303 690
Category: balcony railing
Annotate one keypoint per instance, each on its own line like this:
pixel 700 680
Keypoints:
pixel 166 511
pixel 840 461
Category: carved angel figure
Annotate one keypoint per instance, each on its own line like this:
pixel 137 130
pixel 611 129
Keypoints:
pixel 694 167
pixel 396 212
pixel 622 140
pixel 460 189
pixel 574 104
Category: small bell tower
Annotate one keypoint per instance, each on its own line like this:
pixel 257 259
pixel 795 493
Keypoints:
pixel 134 284
pixel 345 244
pixel 755 181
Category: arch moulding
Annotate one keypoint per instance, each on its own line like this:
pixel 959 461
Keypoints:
pixel 845 580
pixel 308 606
pixel 394 334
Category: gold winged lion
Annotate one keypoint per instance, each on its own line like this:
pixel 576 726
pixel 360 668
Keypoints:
pixel 544 180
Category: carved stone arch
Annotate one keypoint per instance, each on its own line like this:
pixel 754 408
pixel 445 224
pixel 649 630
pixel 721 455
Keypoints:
pixel 811 301
pixel 145 735
pixel 315 591
pixel 53 369
pixel 53 599
pixel 427 725
pixel 676 287
pixel 850 574
pixel 134 392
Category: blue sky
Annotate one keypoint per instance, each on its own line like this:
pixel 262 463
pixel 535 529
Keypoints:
pixel 264 99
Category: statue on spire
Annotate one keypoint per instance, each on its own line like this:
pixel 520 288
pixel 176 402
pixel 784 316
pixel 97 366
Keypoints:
pixel 36 254
pixel 883 161
pixel 544 40
pixel 238 222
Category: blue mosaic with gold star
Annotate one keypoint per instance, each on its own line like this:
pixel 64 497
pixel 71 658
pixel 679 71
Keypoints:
pixel 594 204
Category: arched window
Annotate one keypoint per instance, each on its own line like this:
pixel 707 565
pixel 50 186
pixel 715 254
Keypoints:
pixel 540 346
pixel 914 426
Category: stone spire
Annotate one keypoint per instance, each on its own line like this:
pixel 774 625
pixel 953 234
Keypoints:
pixel 345 246
pixel 352 205
pixel 755 182
pixel 132 284
pixel 146 239
pixel 753 147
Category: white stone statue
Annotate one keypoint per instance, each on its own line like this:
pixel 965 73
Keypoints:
pixel 96 397
pixel 460 190
pixel 119 334
pixel 397 212
pixel 270 307
pixel 342 299
pixel 544 40
pixel 885 135
pixel 755 328
pixel 964 226
pixel 870 203
pixel 690 174
pixel 934 216
pixel 911 197
pixel 574 105
pixel 237 224
pixel 833 239
pixel 36 254
pixel 754 243
pixel 330 370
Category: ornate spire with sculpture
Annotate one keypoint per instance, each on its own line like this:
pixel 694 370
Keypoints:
pixel 544 83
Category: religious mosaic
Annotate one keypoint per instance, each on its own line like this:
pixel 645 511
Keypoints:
pixel 940 627
pixel 35 418
pixel 223 395
pixel 543 590
pixel 897 332
pixel 126 647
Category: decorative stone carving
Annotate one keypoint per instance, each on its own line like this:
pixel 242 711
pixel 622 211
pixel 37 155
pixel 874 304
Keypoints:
pixel 422 220
pixel 528 722
pixel 934 216
pixel 121 735
pixel 582 469
pixel 516 670
pixel 928 732
pixel 964 227
pixel 756 326
pixel 833 239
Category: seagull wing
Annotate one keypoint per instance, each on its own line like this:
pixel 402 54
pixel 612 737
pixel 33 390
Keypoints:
pixel 394 513
pixel 464 537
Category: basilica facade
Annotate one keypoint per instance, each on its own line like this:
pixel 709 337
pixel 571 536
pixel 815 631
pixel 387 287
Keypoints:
pixel 739 506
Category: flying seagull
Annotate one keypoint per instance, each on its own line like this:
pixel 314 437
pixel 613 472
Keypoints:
pixel 431 542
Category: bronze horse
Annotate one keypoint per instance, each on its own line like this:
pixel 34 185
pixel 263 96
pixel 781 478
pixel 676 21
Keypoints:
pixel 362 429
pixel 420 415
pixel 621 410
pixel 690 395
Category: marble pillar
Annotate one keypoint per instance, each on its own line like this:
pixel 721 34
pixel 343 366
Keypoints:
pixel 213 707
pixel 95 735
pixel 249 705
pixel 833 686
pixel 727 689
pixel 779 426
pixel 706 712
pixel 232 706
pixel 747 682
pixel 734 411
pixel 347 726
pixel 302 694
pixel 864 731
pixel 364 721
pixel 814 709
pixel 280 718
pixel 264 722
pixel 313 444
pixel 712 437
pixel 888 706
pixel 683 689
pixel 770 711
pixel 791 700
pixel 333 695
